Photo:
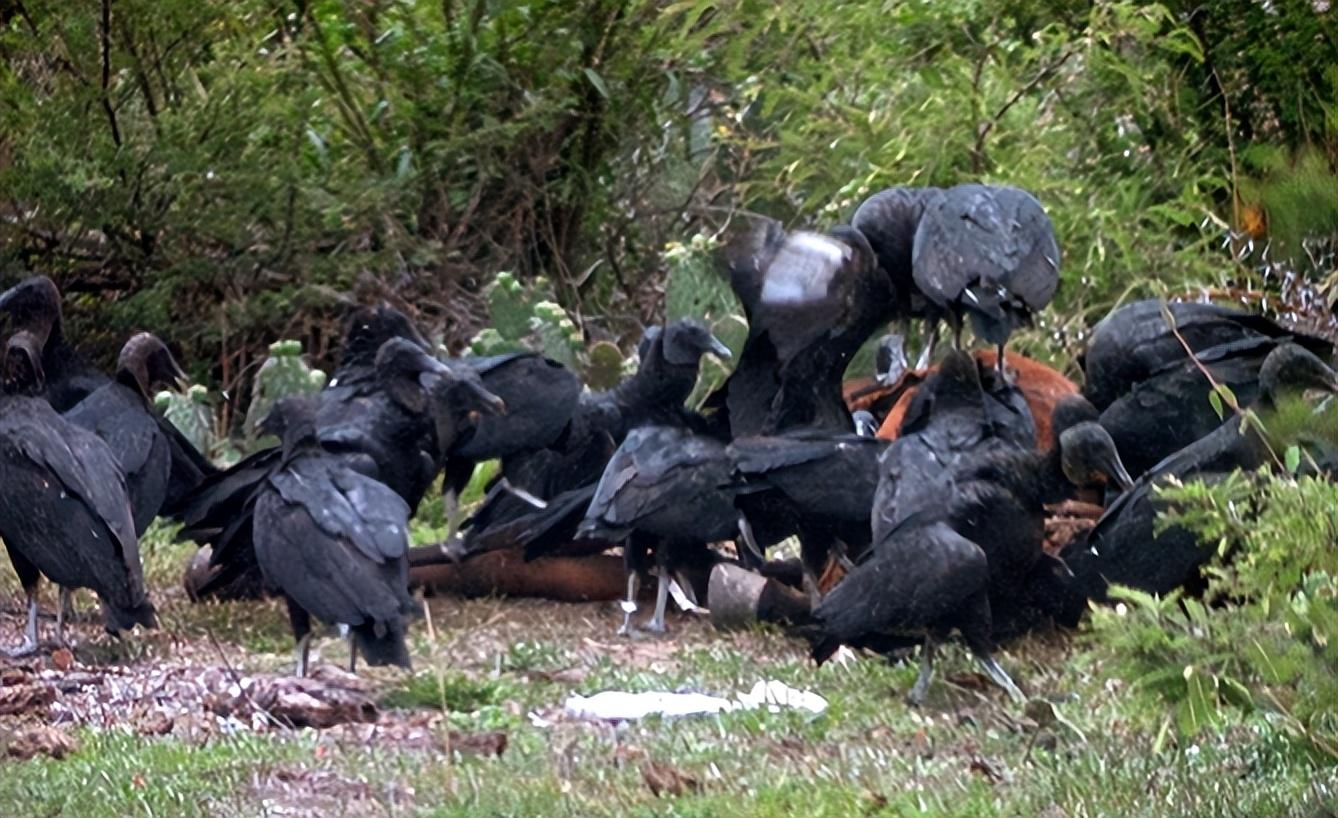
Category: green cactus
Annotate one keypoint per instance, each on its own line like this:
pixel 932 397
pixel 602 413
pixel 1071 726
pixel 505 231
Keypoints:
pixel 732 330
pixel 556 334
pixel 510 307
pixel 604 368
pixel 696 287
pixel 191 414
pixel 284 373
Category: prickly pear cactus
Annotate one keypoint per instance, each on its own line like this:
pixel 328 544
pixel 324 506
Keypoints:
pixel 555 333
pixel 510 307
pixel 191 414
pixel 604 366
pixel 696 288
pixel 284 373
pixel 732 330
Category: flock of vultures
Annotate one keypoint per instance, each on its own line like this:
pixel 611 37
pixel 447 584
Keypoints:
pixel 921 515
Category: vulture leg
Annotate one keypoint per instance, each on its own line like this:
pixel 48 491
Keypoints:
pixel 629 604
pixel 657 619
pixel 303 654
pixel 352 652
pixel 750 555
pixel 921 687
pixel 29 644
pixel 1003 372
pixel 927 354
pixel 300 621
pixel 524 495
pixel 1000 677
pixel 450 503
pixel 64 611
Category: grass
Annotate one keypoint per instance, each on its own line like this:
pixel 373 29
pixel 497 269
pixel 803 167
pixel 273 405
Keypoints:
pixel 968 752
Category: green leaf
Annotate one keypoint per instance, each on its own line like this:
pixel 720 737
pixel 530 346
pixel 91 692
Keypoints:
pixel 1292 459
pixel 597 81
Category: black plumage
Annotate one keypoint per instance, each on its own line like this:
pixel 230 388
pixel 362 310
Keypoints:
pixel 121 414
pixel 811 301
pixel 1126 547
pixel 959 409
pixel 1171 408
pixel 334 542
pixel 888 219
pixel 34 305
pixel 64 510
pixel 988 253
pixel 598 423
pixel 818 485
pixel 663 491
pixel 389 418
pixel 1133 342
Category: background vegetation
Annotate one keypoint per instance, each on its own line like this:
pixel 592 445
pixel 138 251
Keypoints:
pixel 226 173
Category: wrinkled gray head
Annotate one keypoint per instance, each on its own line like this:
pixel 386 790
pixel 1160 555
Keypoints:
pixel 33 304
pixel 686 340
pixel 366 329
pixel 1290 369
pixel 23 365
pixel 145 364
pixel 1089 457
pixel 1069 412
pixel 866 425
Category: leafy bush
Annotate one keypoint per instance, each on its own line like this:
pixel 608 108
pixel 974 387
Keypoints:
pixel 1266 634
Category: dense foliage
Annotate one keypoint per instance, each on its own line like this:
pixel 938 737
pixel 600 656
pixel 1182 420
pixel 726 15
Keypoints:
pixel 230 172
pixel 1265 636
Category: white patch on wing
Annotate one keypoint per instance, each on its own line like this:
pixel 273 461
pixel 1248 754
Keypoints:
pixel 803 268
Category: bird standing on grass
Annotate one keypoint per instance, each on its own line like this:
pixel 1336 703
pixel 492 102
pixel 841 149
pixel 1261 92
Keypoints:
pixel 64 510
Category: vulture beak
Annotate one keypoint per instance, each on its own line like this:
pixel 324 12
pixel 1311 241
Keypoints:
pixel 490 404
pixel 1110 463
pixel 721 351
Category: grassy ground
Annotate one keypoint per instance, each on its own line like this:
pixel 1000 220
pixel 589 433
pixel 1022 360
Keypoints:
pixel 491 664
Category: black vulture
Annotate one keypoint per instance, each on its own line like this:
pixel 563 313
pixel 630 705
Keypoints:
pixel 999 502
pixel 987 252
pixel 1126 547
pixel 365 329
pixel 965 559
pixel 34 305
pixel 811 301
pixel 1171 408
pixel 664 490
pixel 1133 342
pixel 921 583
pixel 334 542
pixel 121 414
pixel 393 433
pixel 599 422
pixel 958 409
pixel 819 483
pixel 64 510
pixel 888 219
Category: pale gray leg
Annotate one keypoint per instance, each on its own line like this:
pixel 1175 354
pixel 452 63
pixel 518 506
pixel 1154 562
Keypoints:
pixel 64 610
pixel 1003 371
pixel 629 604
pixel 1000 677
pixel 303 651
pixel 656 623
pixel 927 354
pixel 450 504
pixel 921 688
pixel 29 644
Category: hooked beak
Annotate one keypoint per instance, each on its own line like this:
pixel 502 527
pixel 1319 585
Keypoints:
pixel 1111 464
pixel 721 351
pixel 490 404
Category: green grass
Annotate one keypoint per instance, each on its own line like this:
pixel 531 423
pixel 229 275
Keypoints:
pixel 490 663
